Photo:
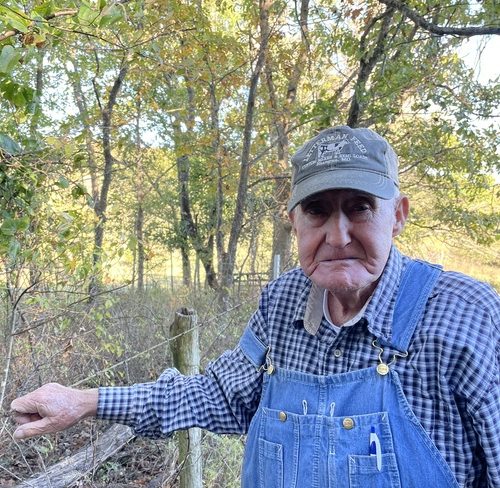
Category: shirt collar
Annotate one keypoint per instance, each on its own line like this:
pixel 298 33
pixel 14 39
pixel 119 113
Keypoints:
pixel 378 314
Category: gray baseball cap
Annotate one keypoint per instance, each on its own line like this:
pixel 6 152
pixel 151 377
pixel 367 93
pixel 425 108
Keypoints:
pixel 343 157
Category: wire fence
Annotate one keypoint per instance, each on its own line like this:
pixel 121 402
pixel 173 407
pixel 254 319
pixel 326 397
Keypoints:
pixel 120 339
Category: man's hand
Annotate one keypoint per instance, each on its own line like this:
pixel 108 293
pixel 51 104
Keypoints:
pixel 52 408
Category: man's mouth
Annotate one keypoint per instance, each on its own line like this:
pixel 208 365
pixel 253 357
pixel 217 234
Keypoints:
pixel 338 258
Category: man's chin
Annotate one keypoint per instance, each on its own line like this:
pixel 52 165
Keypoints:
pixel 341 279
pixel 335 280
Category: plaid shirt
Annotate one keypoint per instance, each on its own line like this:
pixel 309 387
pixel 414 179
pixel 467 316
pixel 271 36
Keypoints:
pixel 450 377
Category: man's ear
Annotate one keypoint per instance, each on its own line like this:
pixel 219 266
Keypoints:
pixel 402 209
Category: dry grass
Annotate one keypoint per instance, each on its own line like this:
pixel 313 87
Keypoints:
pixel 121 339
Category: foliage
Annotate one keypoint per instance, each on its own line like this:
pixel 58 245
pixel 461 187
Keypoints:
pixel 121 338
pixel 155 98
pixel 187 88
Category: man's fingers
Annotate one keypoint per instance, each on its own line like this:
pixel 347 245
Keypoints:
pixel 25 418
pixel 39 427
pixel 52 408
pixel 25 404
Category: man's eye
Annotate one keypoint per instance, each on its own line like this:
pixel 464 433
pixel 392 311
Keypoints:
pixel 360 212
pixel 361 207
pixel 314 209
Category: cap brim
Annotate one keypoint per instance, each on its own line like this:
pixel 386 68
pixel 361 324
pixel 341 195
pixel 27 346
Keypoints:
pixel 372 183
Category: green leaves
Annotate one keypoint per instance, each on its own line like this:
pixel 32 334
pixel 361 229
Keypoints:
pixel 12 230
pixel 110 14
pixel 104 16
pixel 9 58
pixel 8 145
pixel 45 9
pixel 191 64
pixel 14 18
pixel 18 94
pixel 11 226
pixel 87 15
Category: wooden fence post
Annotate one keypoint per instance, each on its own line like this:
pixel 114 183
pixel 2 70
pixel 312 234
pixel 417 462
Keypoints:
pixel 186 355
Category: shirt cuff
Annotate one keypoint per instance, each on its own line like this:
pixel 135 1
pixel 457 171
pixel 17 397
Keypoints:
pixel 121 404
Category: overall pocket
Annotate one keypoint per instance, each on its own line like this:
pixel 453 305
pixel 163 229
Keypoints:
pixel 278 445
pixel 270 464
pixel 364 473
pixel 364 451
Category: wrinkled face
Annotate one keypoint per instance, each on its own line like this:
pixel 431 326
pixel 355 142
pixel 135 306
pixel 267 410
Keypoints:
pixel 344 237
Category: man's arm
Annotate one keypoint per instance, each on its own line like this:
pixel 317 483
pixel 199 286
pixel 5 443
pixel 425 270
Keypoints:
pixel 223 399
pixel 52 408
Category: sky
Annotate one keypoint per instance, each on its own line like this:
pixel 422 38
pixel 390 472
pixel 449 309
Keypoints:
pixel 482 53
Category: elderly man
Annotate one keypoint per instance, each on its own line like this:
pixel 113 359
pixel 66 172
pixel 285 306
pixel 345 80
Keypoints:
pixel 361 368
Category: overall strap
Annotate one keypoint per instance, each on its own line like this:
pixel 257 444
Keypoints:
pixel 416 285
pixel 253 348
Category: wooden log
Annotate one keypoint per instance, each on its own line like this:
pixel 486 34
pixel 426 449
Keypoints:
pixel 68 471
pixel 186 355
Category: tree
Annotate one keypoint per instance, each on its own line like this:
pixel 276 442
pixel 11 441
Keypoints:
pixel 282 110
pixel 232 90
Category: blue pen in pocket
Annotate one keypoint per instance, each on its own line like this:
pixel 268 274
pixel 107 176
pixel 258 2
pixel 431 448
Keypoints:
pixel 375 449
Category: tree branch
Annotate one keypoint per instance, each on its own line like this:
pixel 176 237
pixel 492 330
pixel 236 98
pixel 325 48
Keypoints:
pixel 440 30
pixel 367 63
pixel 61 13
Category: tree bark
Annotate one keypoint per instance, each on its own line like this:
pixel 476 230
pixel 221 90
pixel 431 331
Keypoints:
pixel 139 191
pixel 67 472
pixel 139 234
pixel 101 204
pixel 282 229
pixel 438 29
pixel 186 355
pixel 241 198
pixel 204 250
pixel 81 103
pixel 217 153
pixel 367 64
pixel 189 227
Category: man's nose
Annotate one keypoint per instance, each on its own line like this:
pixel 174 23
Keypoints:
pixel 338 230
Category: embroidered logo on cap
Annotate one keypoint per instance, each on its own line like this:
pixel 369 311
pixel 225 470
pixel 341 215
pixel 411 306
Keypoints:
pixel 325 151
pixel 334 148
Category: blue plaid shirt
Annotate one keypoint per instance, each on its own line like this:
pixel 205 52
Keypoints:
pixel 450 377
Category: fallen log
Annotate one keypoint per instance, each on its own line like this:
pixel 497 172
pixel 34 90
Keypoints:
pixel 68 471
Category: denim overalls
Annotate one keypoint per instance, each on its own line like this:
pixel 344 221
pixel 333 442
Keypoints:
pixel 351 430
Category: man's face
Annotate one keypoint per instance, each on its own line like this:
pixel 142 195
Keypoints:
pixel 344 237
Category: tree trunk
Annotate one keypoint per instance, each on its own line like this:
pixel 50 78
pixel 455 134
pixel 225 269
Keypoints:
pixel 229 258
pixel 186 266
pixel 81 103
pixel 101 204
pixel 34 273
pixel 139 233
pixel 367 64
pixel 139 191
pixel 189 228
pixel 67 472
pixel 282 229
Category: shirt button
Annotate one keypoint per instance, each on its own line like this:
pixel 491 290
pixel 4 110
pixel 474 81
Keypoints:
pixel 348 423
pixel 337 353
pixel 282 416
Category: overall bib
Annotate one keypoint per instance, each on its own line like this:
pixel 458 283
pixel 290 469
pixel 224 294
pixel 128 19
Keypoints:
pixel 351 430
